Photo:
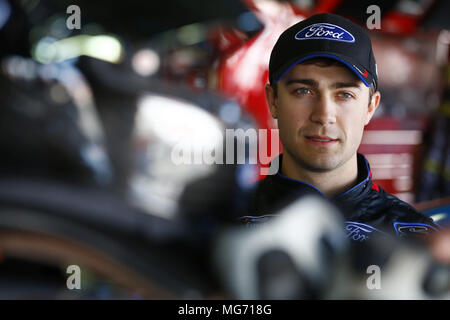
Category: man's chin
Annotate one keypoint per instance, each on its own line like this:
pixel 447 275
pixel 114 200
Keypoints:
pixel 320 164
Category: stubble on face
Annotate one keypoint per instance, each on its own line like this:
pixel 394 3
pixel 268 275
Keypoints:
pixel 321 159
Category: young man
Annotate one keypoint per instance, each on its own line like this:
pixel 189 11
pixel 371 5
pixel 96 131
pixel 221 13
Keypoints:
pixel 323 91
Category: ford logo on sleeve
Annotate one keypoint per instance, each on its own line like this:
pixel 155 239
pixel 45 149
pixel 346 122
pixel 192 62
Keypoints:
pixel 405 229
pixel 325 31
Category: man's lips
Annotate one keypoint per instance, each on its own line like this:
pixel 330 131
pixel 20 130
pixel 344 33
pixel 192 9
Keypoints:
pixel 321 140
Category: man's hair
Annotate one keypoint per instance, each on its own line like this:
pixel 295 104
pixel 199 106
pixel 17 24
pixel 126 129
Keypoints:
pixel 324 62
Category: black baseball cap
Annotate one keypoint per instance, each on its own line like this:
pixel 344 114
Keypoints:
pixel 329 36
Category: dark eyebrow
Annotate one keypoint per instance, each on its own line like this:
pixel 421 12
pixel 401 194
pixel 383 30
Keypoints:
pixel 315 84
pixel 308 82
pixel 340 85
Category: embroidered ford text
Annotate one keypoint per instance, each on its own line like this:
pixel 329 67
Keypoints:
pixel 325 31
pixel 357 231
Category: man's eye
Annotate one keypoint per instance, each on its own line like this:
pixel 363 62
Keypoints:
pixel 302 91
pixel 345 95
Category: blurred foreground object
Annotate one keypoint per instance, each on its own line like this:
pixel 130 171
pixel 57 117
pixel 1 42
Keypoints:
pixel 86 173
pixel 131 232
pixel 292 256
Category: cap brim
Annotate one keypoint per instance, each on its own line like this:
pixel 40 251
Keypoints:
pixel 339 58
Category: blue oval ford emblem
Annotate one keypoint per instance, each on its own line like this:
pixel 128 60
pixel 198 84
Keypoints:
pixel 325 31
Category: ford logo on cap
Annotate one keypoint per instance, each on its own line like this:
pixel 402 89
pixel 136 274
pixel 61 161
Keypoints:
pixel 324 31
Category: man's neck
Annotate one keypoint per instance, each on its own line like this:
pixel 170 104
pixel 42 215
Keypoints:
pixel 330 183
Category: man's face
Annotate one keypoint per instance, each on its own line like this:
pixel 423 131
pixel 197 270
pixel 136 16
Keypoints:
pixel 321 114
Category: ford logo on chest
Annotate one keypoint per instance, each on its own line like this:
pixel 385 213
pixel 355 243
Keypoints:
pixel 325 31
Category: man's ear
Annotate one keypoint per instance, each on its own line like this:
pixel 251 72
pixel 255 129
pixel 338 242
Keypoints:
pixel 373 105
pixel 271 100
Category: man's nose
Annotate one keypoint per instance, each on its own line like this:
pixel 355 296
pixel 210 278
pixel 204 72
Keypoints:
pixel 324 111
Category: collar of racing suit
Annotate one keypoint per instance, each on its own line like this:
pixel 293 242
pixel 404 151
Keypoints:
pixel 346 200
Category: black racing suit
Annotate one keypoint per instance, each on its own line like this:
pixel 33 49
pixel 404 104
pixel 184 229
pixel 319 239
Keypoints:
pixel 366 207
